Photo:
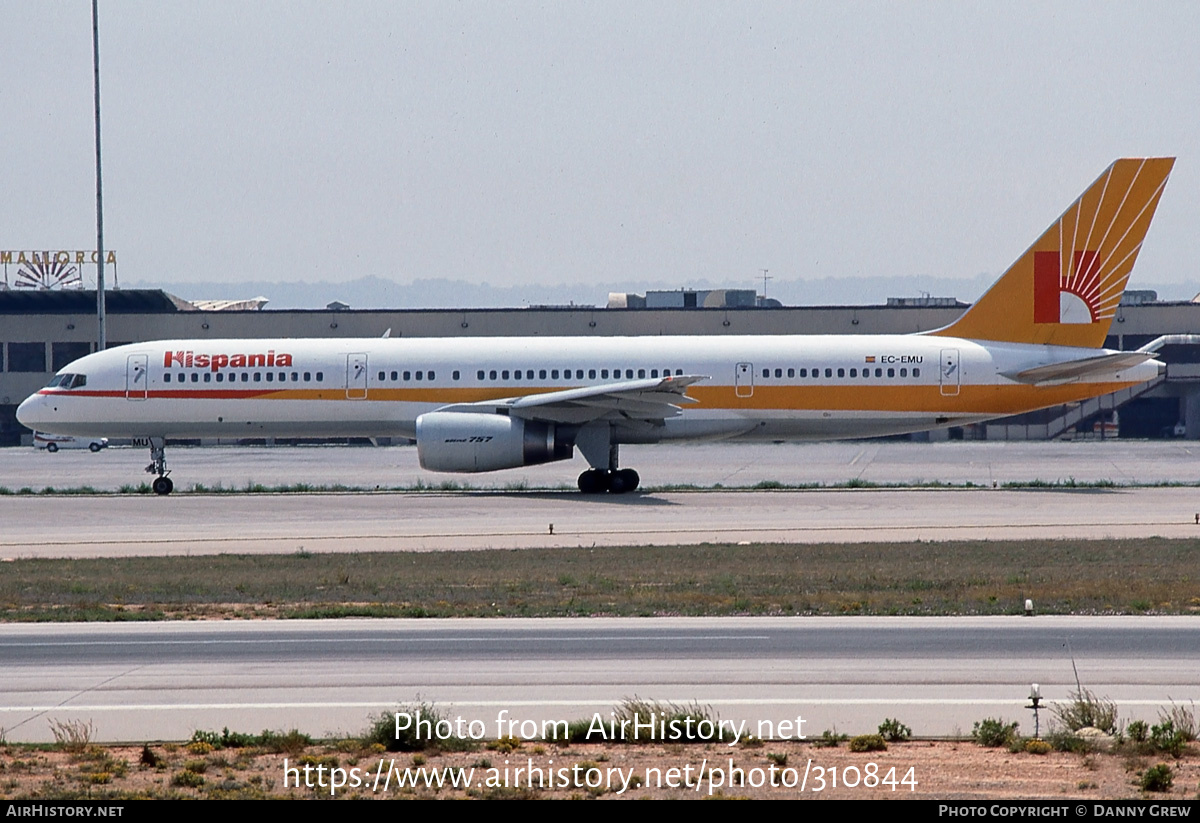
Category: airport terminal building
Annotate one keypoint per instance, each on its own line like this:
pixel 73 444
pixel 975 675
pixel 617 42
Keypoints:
pixel 43 330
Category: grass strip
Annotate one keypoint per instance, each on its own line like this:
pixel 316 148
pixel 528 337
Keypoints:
pixel 908 578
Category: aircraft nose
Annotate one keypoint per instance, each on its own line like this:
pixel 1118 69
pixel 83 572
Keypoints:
pixel 32 412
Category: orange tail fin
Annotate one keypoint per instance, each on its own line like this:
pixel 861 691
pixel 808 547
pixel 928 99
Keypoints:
pixel 1065 289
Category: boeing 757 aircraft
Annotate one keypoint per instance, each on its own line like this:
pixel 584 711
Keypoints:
pixel 482 404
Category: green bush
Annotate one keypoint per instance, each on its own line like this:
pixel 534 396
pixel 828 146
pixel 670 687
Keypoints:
pixel 1157 778
pixel 1035 746
pixel 187 778
pixel 1183 719
pixel 290 742
pixel 1064 740
pixel 1138 731
pixel 414 738
pixel 894 731
pixel 1084 710
pixel 1164 737
pixel 993 732
pixel 868 743
pixel 829 739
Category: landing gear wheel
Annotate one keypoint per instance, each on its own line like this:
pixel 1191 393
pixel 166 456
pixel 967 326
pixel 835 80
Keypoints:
pixel 162 486
pixel 52 447
pixel 594 481
pixel 624 480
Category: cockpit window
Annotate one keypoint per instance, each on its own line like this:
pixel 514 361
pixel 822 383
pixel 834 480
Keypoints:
pixel 67 381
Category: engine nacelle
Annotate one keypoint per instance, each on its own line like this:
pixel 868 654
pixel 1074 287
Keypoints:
pixel 466 442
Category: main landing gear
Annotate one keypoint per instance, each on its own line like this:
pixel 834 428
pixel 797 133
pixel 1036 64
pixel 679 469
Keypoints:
pixel 162 484
pixel 598 481
pixel 612 479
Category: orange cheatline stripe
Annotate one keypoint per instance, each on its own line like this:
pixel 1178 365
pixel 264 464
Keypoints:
pixel 998 400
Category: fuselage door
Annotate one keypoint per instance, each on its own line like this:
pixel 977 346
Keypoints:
pixel 951 374
pixel 136 378
pixel 356 376
pixel 743 379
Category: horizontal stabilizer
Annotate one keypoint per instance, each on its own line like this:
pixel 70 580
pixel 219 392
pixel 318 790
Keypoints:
pixel 1090 367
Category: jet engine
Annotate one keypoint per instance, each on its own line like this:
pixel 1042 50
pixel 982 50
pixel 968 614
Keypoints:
pixel 468 442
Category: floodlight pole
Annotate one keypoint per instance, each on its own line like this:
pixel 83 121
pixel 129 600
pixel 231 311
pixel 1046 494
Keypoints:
pixel 102 334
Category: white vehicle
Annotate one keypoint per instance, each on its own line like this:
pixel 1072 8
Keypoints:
pixel 1034 340
pixel 54 442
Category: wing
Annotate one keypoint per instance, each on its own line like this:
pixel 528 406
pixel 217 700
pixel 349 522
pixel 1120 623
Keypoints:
pixel 650 400
pixel 1076 369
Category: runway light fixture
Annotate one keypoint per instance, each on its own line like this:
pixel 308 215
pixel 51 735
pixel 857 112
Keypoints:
pixel 1035 703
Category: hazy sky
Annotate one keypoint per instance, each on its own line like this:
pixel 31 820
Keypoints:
pixel 575 142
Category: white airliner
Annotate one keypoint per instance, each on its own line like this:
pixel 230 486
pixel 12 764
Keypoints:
pixel 482 404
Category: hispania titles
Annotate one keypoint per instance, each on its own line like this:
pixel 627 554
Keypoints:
pixel 216 362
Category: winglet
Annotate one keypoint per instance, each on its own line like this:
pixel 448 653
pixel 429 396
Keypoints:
pixel 1065 289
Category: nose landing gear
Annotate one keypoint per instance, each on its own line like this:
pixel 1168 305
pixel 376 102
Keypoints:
pixel 162 484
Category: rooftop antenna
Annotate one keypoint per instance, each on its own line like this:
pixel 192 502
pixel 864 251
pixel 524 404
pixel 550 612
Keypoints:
pixel 765 279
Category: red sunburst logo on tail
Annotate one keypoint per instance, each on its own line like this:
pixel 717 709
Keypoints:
pixel 1070 294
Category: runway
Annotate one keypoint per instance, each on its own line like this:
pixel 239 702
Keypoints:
pixel 938 675
pixel 732 465
pixel 274 523
pixel 520 508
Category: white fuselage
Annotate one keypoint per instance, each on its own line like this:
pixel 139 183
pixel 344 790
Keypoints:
pixel 760 387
